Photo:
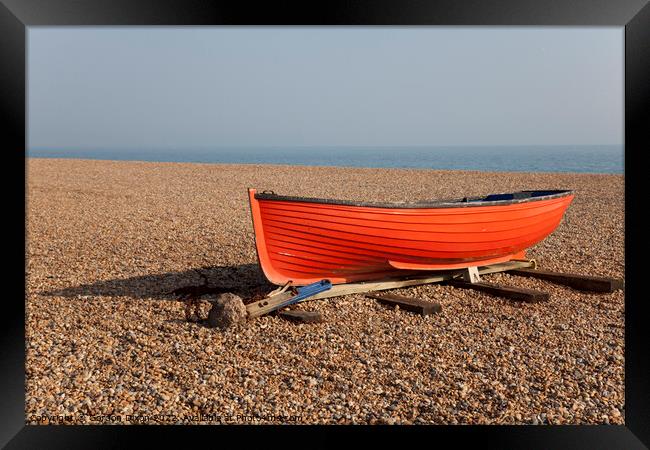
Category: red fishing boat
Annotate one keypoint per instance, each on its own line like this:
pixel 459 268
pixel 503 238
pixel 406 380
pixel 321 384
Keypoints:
pixel 304 240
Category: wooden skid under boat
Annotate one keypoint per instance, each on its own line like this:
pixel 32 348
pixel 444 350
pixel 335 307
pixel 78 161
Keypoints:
pixel 304 240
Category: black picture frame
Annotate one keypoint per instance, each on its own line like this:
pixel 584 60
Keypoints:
pixel 17 15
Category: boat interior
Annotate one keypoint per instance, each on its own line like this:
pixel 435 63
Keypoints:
pixel 511 196
pixel 485 200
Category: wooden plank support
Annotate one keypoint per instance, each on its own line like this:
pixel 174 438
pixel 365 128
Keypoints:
pixel 513 293
pixel 302 316
pixel 416 305
pixel 266 305
pixel 580 282
pixel 357 288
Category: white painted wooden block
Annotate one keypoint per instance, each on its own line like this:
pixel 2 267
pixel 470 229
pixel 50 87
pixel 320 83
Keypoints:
pixel 471 275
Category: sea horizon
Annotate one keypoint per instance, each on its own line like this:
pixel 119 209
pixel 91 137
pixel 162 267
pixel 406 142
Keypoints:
pixel 595 159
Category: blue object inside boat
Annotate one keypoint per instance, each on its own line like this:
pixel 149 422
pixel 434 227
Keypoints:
pixel 515 196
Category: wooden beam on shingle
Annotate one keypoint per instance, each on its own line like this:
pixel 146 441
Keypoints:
pixel 575 281
pixel 416 305
pixel 509 292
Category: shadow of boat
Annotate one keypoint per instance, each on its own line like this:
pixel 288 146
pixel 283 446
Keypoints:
pixel 246 280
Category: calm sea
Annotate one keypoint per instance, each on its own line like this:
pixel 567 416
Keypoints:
pixel 586 159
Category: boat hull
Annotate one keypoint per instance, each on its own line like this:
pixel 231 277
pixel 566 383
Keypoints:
pixel 305 241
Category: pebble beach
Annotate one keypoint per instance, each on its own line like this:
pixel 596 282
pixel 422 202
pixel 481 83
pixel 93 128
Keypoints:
pixel 106 342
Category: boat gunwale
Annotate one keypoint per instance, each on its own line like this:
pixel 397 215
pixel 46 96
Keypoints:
pixel 435 204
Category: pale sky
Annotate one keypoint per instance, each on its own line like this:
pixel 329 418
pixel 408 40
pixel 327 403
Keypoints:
pixel 208 87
